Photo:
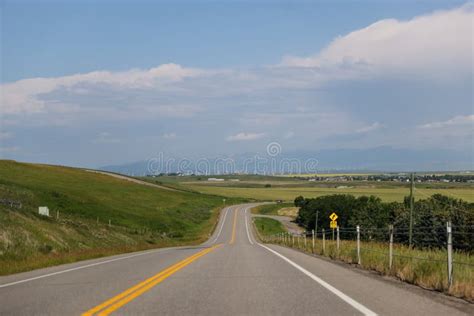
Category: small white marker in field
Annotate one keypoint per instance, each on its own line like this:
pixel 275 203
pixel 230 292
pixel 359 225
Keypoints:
pixel 43 210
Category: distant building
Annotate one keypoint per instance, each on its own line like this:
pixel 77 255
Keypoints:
pixel 214 179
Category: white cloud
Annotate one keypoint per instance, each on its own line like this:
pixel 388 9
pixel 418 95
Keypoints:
pixel 169 135
pixel 369 128
pixel 457 121
pixel 245 136
pixel 441 41
pixel 106 138
pixel 24 96
pixel 456 132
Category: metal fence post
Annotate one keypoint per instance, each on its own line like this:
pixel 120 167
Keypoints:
pixel 337 233
pixel 305 241
pixel 313 241
pixel 450 254
pixel 292 240
pixel 390 249
pixel 358 244
pixel 324 241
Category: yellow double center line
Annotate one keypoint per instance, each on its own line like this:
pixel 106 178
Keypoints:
pixel 125 297
pixel 233 227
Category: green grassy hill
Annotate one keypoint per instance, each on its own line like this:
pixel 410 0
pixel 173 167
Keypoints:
pixel 141 216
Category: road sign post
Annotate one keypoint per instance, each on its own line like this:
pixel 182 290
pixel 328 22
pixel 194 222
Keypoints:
pixel 358 244
pixel 333 224
pixel 390 251
pixel 450 253
pixel 324 241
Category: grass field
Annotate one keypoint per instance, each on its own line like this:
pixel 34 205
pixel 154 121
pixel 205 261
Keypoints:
pixel 141 216
pixel 268 226
pixel 390 194
pixel 324 175
pixel 270 209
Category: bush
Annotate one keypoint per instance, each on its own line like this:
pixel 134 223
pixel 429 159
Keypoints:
pixel 374 216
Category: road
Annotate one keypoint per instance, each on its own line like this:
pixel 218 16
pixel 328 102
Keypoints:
pixel 230 274
pixel 134 180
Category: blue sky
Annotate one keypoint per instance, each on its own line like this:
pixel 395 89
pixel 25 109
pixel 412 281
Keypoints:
pixel 90 83
pixel 58 38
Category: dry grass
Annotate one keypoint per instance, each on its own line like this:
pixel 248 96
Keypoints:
pixel 387 194
pixel 289 211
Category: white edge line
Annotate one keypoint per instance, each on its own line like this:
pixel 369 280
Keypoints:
pixel 361 308
pixel 222 225
pixel 81 267
pixel 247 226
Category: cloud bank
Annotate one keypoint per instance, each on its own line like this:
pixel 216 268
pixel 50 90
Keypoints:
pixel 398 83
pixel 435 45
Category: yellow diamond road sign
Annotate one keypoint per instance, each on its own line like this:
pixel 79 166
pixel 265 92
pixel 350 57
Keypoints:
pixel 333 216
pixel 333 224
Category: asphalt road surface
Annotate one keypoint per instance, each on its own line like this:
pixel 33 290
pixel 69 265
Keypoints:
pixel 231 274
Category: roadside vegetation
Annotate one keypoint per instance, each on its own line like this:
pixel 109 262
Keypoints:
pixel 270 209
pixel 140 216
pixel 423 267
pixel 268 226
pixel 423 264
pixel 374 216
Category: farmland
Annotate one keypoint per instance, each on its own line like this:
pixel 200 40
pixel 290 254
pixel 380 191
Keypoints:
pixel 266 188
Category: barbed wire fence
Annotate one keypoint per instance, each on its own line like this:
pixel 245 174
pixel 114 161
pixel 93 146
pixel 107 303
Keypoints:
pixel 442 253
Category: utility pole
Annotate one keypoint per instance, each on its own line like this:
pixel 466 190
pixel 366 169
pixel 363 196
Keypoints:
pixel 412 202
pixel 316 223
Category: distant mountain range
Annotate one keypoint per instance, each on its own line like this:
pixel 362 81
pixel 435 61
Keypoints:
pixel 338 160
